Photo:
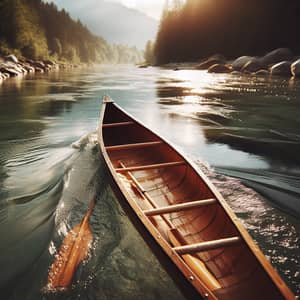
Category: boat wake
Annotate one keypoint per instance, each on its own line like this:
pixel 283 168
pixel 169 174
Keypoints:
pixel 276 232
pixel 119 262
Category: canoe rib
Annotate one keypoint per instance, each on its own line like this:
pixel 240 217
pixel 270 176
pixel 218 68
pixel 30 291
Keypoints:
pixel 133 146
pixel 151 167
pixel 111 125
pixel 179 207
pixel 207 246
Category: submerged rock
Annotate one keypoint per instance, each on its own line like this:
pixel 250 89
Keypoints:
pixel 219 68
pixel 276 56
pixel 295 68
pixel 262 72
pixel 240 62
pixel 282 68
pixel 235 73
pixel 253 65
pixel 215 59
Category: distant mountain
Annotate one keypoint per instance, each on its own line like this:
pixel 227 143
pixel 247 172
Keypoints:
pixel 115 22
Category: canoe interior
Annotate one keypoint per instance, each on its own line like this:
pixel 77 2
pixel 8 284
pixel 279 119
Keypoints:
pixel 236 269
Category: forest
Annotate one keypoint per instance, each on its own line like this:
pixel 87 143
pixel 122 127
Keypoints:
pixel 195 29
pixel 38 30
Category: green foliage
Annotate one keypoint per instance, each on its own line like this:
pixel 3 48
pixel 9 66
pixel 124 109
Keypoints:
pixel 196 29
pixel 39 30
pixel 149 53
pixel 55 46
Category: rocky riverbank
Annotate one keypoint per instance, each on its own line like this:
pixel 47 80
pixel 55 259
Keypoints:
pixel 11 66
pixel 280 62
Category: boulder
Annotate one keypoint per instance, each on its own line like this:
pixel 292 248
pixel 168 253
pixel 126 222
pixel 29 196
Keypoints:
pixel 49 62
pixel 38 64
pixel 39 70
pixel 236 73
pixel 14 66
pixel 28 68
pixel 240 62
pixel 11 58
pixel 11 71
pixel 276 56
pixel 6 75
pixel 295 68
pixel 282 68
pixel 262 72
pixel 252 65
pixel 207 63
pixel 20 66
pixel 219 68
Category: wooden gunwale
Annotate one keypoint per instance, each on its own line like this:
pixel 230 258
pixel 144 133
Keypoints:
pixel 177 259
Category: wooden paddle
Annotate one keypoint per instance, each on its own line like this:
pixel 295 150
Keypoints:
pixel 73 251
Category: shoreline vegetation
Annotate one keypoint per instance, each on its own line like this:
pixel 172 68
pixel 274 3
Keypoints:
pixel 192 31
pixel 37 37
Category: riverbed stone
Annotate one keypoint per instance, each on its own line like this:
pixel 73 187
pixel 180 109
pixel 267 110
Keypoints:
pixel 212 60
pixel 262 72
pixel 236 73
pixel 39 65
pixel 39 70
pixel 276 56
pixel 282 68
pixel 28 68
pixel 252 65
pixel 49 62
pixel 240 62
pixel 295 68
pixel 12 58
pixel 219 68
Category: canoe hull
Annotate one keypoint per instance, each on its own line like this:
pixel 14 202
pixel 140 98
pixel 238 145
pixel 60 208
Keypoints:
pixel 142 164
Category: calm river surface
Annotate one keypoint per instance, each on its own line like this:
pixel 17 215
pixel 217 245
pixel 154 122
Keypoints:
pixel 243 132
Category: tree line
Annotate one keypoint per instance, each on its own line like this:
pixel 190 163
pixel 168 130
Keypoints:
pixel 194 29
pixel 38 30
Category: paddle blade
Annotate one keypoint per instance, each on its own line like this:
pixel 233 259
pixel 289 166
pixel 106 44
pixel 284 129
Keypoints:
pixel 73 251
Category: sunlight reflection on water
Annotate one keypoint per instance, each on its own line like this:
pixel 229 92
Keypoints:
pixel 244 127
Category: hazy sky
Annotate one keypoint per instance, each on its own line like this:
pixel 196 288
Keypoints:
pixel 150 7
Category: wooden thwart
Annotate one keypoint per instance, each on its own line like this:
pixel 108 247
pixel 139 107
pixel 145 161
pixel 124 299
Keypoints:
pixel 179 207
pixel 207 246
pixel 133 146
pixel 110 125
pixel 149 167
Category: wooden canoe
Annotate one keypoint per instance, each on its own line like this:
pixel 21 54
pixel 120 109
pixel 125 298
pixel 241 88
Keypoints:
pixel 185 213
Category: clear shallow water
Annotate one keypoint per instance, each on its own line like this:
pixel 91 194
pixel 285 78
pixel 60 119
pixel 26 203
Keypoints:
pixel 246 127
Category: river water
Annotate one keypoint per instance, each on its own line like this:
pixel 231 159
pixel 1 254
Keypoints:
pixel 243 132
